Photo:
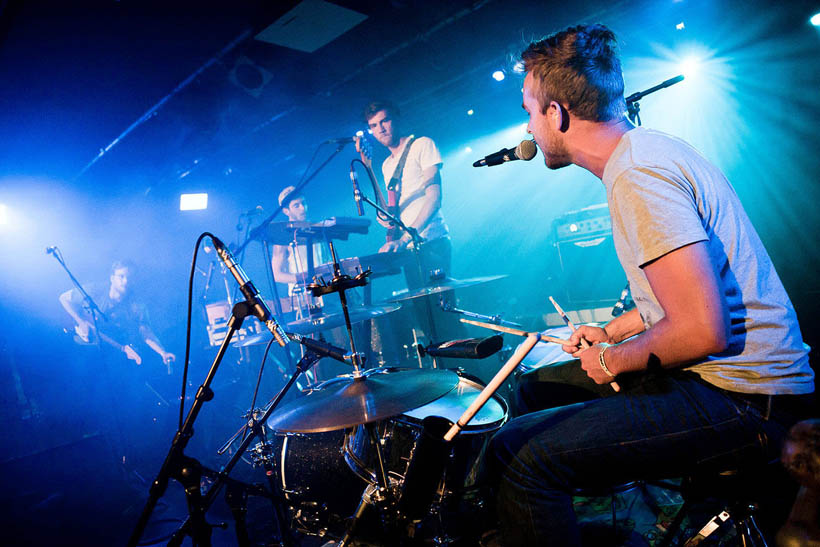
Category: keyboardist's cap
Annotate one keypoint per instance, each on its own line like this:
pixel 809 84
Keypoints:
pixel 286 195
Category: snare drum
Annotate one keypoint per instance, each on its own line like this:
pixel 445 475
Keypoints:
pixel 399 436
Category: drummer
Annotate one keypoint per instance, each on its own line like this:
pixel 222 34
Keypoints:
pixel 289 262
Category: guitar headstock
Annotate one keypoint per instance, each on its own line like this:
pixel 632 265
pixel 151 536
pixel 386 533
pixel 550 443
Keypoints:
pixel 366 149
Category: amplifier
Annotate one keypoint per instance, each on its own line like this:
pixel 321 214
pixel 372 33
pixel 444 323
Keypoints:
pixel 590 270
pixel 584 222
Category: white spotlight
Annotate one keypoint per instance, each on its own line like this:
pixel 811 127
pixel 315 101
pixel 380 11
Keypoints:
pixel 193 202
pixel 470 112
pixel 498 75
pixel 468 149
pixel 815 20
pixel 689 67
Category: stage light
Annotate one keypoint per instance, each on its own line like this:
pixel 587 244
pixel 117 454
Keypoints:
pixel 193 202
pixel 4 214
pixel 689 67
pixel 498 75
pixel 468 149
pixel 680 26
pixel 815 20
pixel 470 112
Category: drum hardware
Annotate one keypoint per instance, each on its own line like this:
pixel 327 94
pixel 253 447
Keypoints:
pixel 493 319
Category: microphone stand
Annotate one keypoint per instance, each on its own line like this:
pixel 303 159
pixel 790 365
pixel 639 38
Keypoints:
pixel 493 319
pixel 633 108
pixel 417 243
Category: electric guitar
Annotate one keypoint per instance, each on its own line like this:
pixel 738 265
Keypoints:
pixel 366 150
pixel 94 335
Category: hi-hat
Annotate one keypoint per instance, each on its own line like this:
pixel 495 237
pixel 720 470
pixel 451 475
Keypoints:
pixel 446 284
pixel 310 325
pixel 346 401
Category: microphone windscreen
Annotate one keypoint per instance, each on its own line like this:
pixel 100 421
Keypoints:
pixel 526 150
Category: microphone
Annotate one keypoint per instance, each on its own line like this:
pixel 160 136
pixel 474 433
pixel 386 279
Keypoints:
pixel 357 192
pixel 258 305
pixel 470 348
pixel 51 250
pixel 341 140
pixel 524 151
pixel 321 348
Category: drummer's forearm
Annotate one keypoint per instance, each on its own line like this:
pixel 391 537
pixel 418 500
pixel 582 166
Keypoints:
pixel 624 326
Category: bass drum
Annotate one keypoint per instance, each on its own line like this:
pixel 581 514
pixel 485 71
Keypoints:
pixel 321 491
pixel 461 488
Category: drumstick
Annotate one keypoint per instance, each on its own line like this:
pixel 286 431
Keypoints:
pixel 584 343
pixel 517 332
pixel 494 384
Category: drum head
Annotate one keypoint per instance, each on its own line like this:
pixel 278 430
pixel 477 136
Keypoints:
pixel 453 404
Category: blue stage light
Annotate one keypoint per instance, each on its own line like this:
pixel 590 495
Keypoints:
pixel 498 75
pixel 193 202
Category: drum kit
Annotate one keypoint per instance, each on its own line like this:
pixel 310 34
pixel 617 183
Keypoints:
pixel 360 458
pixel 341 453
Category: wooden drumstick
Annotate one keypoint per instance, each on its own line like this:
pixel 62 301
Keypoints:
pixel 584 343
pixel 494 384
pixel 517 332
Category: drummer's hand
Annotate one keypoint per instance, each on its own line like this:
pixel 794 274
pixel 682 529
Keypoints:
pixel 593 335
pixel 592 365
pixel 392 246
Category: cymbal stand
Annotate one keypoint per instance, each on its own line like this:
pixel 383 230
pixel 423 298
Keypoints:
pixel 339 284
pixel 418 242
pixel 379 495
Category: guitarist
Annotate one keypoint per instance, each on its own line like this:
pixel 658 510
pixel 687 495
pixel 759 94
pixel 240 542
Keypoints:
pixel 412 173
pixel 127 317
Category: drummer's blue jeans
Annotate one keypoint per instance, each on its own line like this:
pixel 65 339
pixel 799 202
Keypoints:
pixel 657 427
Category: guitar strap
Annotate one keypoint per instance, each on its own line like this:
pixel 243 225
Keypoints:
pixel 394 191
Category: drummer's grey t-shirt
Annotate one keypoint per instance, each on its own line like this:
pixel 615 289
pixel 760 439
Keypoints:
pixel 664 195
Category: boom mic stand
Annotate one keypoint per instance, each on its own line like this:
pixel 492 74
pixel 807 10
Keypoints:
pixel 633 108
pixel 418 242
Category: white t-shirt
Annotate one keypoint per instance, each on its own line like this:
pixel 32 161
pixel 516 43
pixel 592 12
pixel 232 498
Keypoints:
pixel 664 195
pixel 423 154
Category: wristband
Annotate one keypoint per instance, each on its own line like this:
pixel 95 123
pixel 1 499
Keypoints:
pixel 602 362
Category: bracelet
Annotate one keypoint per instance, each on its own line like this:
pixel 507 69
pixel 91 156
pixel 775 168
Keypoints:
pixel 602 362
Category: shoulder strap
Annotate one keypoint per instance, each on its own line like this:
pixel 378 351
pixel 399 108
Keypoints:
pixel 395 181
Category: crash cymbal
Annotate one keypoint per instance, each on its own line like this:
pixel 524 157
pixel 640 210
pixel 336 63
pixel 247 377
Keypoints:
pixel 347 401
pixel 439 286
pixel 310 325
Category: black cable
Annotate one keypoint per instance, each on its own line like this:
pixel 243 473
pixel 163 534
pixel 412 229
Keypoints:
pixel 188 328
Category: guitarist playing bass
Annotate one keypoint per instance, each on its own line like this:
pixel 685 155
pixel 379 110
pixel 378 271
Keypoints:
pixel 127 317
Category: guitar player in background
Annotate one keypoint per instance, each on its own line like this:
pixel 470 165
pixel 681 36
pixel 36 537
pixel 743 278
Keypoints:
pixel 412 177
pixel 122 397
pixel 127 317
